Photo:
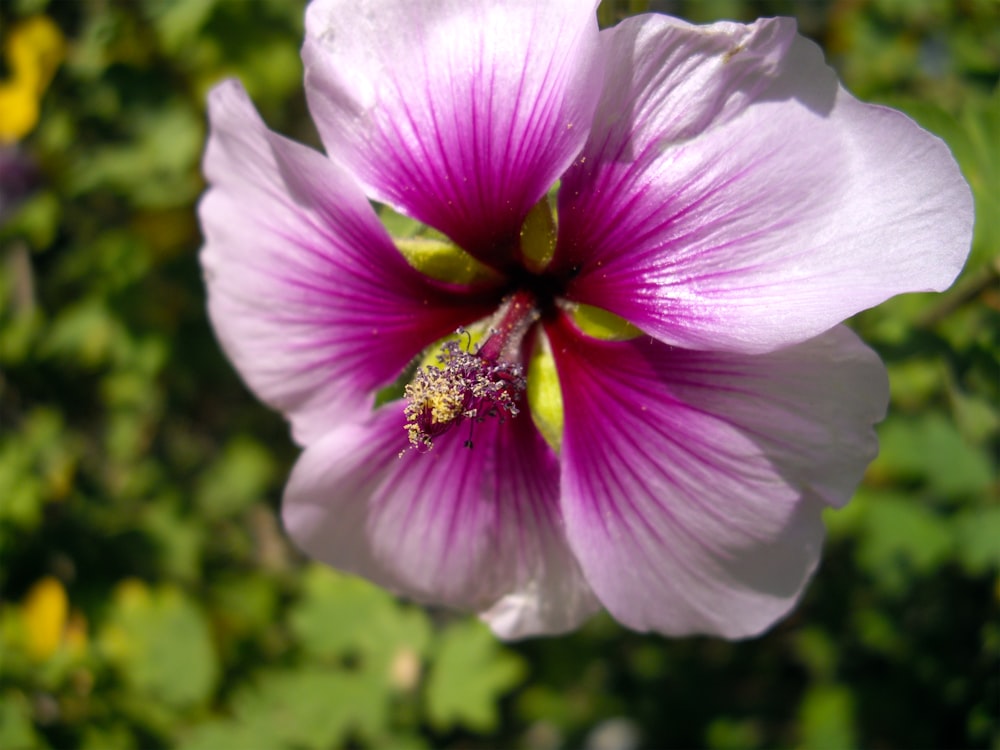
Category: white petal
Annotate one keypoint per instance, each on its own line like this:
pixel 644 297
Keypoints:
pixel 455 526
pixel 460 113
pixel 311 301
pixel 693 482
pixel 733 196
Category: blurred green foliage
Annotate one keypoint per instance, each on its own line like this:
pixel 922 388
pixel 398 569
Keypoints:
pixel 149 598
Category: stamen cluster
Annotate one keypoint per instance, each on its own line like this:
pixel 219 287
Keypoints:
pixel 461 386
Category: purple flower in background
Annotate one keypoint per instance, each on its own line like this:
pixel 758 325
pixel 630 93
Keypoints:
pixel 722 201
pixel 19 177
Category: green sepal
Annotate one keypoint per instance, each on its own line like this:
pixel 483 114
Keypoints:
pixel 603 325
pixel 538 237
pixel 545 401
pixel 444 261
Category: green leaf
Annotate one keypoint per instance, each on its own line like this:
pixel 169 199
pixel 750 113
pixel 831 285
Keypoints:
pixel 313 709
pixel 827 717
pixel 977 418
pixel 238 478
pixel 115 737
pixel 316 708
pixel 879 632
pixel 901 537
pixel 84 333
pixel 156 168
pixel 817 652
pixel 178 23
pixel 243 605
pixel 978 532
pixel 37 220
pixel 726 733
pixel 160 642
pixel 470 672
pixel 17 731
pixel 37 463
pixel 341 615
pixel 915 381
pixel 930 448
pixel 179 538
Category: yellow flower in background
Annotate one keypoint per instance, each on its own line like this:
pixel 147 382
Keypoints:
pixel 34 48
pixel 45 611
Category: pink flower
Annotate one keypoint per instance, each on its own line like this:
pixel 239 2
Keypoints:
pixel 718 190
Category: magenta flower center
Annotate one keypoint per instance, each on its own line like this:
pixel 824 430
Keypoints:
pixel 488 381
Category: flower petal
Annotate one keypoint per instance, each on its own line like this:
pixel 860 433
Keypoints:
pixel 455 526
pixel 693 482
pixel 733 196
pixel 308 296
pixel 460 113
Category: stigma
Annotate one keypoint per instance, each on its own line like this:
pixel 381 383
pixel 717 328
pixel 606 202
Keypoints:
pixel 463 385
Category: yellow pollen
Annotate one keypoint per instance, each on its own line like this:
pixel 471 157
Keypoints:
pixel 460 386
pixel 441 397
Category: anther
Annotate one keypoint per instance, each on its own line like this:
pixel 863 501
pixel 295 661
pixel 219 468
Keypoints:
pixel 461 386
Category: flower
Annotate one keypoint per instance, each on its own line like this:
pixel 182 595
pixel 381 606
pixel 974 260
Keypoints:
pixel 659 401
pixel 33 52
pixel 19 176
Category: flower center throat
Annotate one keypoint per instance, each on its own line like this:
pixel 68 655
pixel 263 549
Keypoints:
pixel 472 385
